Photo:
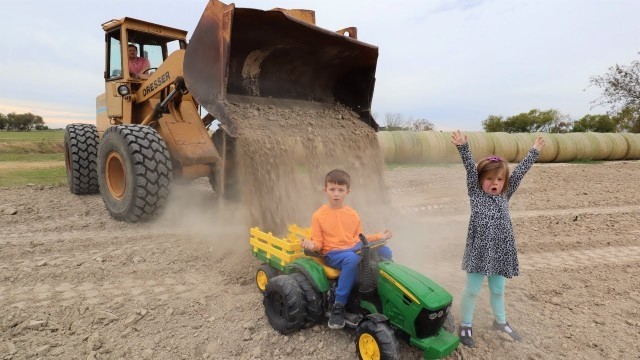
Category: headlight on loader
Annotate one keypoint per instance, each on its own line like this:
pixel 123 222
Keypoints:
pixel 123 90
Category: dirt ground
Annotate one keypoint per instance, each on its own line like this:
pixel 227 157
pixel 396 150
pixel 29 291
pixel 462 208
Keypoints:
pixel 75 284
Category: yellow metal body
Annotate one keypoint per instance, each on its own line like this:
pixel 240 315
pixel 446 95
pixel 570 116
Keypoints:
pixel 286 250
pixel 181 127
pixel 234 55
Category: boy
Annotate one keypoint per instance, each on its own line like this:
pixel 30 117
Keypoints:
pixel 334 232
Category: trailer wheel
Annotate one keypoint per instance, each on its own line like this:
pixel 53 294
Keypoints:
pixel 263 275
pixel 315 311
pixel 224 179
pixel 284 304
pixel 80 154
pixel 376 340
pixel 134 172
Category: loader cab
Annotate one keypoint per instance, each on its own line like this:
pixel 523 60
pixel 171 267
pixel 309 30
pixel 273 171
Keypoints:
pixel 153 42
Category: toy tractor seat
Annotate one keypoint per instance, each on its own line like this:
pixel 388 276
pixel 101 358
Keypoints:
pixel 330 272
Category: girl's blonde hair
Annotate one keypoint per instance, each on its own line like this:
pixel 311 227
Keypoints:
pixel 493 165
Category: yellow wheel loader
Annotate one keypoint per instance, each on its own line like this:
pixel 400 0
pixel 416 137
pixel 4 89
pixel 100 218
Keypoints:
pixel 150 128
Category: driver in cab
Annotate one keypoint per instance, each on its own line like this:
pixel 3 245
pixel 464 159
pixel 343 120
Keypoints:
pixel 137 65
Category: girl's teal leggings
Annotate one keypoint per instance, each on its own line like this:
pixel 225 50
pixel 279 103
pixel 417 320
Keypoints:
pixel 471 291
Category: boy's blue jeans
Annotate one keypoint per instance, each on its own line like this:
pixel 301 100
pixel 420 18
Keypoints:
pixel 347 262
pixel 471 291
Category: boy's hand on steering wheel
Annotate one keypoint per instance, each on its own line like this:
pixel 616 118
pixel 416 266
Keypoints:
pixel 308 244
pixel 386 235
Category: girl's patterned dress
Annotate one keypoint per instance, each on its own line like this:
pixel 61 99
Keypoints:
pixel 491 245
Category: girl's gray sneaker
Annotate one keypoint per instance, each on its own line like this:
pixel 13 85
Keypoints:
pixel 466 336
pixel 507 329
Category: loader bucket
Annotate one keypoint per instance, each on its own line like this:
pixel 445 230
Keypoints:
pixel 240 54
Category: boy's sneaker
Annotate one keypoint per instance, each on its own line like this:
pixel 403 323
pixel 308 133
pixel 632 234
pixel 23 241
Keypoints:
pixel 336 320
pixel 507 329
pixel 466 336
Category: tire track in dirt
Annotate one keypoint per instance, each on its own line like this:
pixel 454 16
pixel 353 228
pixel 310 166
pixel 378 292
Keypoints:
pixel 578 258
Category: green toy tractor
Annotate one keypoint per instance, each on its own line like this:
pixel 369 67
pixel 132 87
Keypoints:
pixel 388 299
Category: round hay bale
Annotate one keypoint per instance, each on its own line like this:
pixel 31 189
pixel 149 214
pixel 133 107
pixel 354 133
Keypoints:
pixel 567 148
pixel 434 146
pixel 407 147
pixel 524 142
pixel 388 147
pixel 451 154
pixel 633 143
pixel 584 150
pixel 619 146
pixel 481 145
pixel 550 150
pixel 600 144
pixel 505 145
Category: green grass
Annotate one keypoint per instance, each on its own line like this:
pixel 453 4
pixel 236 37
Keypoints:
pixel 27 142
pixel 50 176
pixel 31 136
pixel 24 147
pixel 31 157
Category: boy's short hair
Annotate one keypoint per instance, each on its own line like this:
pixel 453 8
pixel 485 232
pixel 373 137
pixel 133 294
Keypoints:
pixel 339 177
pixel 492 165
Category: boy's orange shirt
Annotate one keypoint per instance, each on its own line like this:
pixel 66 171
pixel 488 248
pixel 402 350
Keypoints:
pixel 336 229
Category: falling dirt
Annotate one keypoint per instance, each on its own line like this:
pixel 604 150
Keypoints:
pixel 284 149
pixel 75 284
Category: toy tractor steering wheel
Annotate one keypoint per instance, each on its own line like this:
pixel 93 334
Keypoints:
pixel 149 69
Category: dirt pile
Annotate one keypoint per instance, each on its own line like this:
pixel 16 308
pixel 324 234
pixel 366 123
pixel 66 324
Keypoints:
pixel 283 151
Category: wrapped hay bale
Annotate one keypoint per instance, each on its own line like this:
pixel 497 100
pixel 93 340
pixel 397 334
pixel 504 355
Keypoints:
pixel 567 148
pixel 481 145
pixel 619 146
pixel 524 142
pixel 451 154
pixel 407 147
pixel 505 145
pixel 387 146
pixel 550 150
pixel 600 145
pixel 584 150
pixel 633 144
pixel 434 146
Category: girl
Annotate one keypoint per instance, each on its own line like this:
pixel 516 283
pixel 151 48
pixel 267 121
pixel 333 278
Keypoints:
pixel 490 250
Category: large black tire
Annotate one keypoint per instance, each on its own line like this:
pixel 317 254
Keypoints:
pixel 376 340
pixel 80 154
pixel 224 179
pixel 134 172
pixel 284 304
pixel 265 273
pixel 315 308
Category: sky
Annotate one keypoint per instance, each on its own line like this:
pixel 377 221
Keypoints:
pixel 452 62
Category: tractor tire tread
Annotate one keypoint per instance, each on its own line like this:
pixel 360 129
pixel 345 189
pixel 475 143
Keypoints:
pixel 81 147
pixel 152 170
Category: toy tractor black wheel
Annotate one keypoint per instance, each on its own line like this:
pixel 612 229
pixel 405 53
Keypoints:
pixel 315 308
pixel 376 340
pixel 134 172
pixel 263 275
pixel 284 304
pixel 80 154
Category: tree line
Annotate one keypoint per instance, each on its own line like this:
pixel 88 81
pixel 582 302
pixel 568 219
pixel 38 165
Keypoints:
pixel 21 122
